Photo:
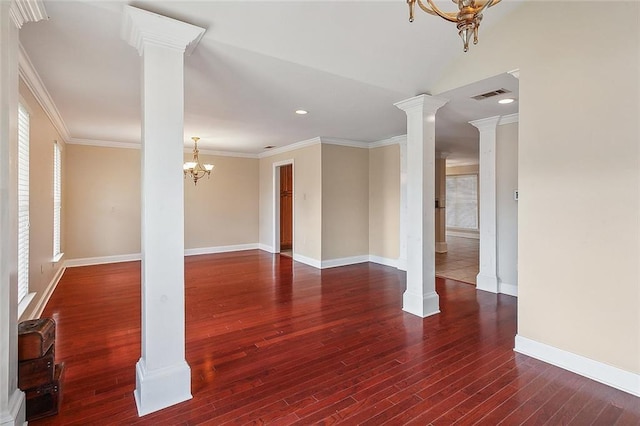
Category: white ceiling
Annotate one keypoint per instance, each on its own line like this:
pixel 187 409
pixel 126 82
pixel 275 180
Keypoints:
pixel 347 63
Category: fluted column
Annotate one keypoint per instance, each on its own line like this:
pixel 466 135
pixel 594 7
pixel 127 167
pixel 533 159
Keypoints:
pixel 421 298
pixel 163 377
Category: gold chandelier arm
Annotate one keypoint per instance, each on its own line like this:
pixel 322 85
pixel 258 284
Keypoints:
pixel 433 10
pixel 482 6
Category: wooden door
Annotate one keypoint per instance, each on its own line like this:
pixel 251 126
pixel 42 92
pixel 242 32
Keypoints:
pixel 286 207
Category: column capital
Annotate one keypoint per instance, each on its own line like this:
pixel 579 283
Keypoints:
pixel 23 11
pixel 427 104
pixel 486 123
pixel 140 28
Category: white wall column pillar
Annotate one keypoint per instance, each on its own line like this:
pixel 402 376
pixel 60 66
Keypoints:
pixel 421 298
pixel 487 278
pixel 441 197
pixel 402 260
pixel 13 15
pixel 163 377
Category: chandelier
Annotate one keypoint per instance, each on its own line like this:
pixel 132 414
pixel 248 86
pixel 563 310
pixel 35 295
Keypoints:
pixel 467 18
pixel 195 169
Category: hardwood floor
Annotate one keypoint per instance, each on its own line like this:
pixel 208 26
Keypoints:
pixel 273 341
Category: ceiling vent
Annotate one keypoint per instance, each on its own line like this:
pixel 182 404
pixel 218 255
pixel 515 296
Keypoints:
pixel 490 94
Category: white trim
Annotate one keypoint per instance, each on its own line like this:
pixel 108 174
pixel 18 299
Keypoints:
pixel 48 292
pixel 32 79
pixel 307 260
pixel 290 147
pixel 104 144
pixel 15 409
pixel 333 263
pixel 57 257
pixel 346 142
pixel 508 289
pixel 267 248
pixel 508 119
pixel 396 140
pixel 383 261
pixel 220 249
pixel 23 11
pixel 475 235
pixel 625 381
pixel 24 304
pixel 100 260
pixel 223 153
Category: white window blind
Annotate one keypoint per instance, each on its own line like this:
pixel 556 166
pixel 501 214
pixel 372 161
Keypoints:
pixel 23 202
pixel 57 197
pixel 462 201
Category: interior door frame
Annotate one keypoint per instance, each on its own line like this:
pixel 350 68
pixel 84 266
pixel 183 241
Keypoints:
pixel 276 204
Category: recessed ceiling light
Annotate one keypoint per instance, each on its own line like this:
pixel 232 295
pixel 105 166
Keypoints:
pixel 269 146
pixel 301 112
pixel 506 101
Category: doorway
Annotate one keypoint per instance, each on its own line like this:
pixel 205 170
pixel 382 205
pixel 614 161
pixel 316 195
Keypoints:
pixel 286 210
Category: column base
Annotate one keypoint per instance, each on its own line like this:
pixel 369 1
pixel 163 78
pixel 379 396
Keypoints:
pixel 14 414
pixel 487 283
pixel 421 305
pixel 402 263
pixel 161 388
pixel 441 247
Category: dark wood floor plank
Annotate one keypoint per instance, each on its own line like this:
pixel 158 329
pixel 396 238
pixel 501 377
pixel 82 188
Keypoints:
pixel 272 341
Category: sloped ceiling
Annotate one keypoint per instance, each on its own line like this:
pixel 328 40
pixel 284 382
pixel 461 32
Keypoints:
pixel 258 62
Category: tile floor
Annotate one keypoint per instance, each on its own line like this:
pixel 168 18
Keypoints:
pixel 461 262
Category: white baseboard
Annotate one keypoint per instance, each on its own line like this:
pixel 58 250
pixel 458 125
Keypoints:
pixel 383 261
pixel 509 289
pixel 14 413
pixel 474 235
pixel 37 311
pixel 220 249
pixel 307 260
pixel 100 260
pixel 265 247
pixel 595 370
pixel 344 261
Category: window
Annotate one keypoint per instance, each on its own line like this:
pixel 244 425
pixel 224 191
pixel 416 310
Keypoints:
pixel 57 199
pixel 23 202
pixel 462 201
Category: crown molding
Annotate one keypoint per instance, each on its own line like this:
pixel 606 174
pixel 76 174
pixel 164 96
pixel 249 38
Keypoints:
pixel 291 147
pixel 103 144
pixel 345 142
pixel 224 153
pixel 23 11
pixel 32 79
pixel 396 140
pixel 508 119
pixel 515 73
pixel 141 27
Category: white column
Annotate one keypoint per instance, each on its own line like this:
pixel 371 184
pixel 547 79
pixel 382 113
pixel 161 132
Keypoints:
pixel 13 14
pixel 487 278
pixel 402 260
pixel 421 298
pixel 163 377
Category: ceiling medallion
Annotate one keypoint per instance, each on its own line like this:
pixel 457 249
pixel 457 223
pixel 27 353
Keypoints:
pixel 467 18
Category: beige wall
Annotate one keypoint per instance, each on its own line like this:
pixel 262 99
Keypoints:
pixel 506 205
pixel 307 206
pixel 579 171
pixel 384 201
pixel 42 135
pixel 222 210
pixel 345 202
pixel 103 203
